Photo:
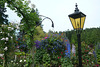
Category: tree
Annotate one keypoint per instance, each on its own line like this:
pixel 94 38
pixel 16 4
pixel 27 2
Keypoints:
pixel 39 33
pixel 29 20
pixel 3 17
pixel 89 35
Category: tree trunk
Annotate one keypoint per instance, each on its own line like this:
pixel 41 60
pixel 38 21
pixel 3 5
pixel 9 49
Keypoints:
pixel 32 52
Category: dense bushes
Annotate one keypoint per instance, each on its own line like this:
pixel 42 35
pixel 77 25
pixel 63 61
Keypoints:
pixel 51 51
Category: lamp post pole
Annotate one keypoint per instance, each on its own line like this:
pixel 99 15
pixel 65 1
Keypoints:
pixel 79 49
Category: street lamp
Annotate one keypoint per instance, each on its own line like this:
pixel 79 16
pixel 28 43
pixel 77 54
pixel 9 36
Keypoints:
pixel 44 19
pixel 77 19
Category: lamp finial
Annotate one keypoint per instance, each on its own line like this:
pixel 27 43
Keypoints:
pixel 76 5
pixel 76 9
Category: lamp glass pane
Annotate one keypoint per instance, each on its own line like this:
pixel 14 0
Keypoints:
pixel 75 23
pixel 82 22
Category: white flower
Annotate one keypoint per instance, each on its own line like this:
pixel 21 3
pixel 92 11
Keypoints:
pixel 73 49
pixel 12 28
pixel 16 63
pixel 11 37
pixel 3 39
pixel 7 38
pixel 17 46
pixel 5 42
pixel 32 5
pixel 17 27
pixel 24 60
pixel 1 32
pixel 20 60
pixel 9 28
pixel 5 48
pixel 29 1
pixel 8 34
pixel 90 53
pixel 2 25
pixel 1 55
pixel 11 60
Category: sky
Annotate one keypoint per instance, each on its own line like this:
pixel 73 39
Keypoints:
pixel 58 11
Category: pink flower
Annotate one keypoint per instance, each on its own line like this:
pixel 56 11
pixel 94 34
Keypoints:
pixel 97 65
pixel 2 58
pixel 87 60
pixel 21 50
pixel 58 57
pixel 61 52
pixel 45 37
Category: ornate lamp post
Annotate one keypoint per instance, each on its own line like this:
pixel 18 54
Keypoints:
pixel 77 19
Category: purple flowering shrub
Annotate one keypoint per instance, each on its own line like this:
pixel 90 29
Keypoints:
pixel 51 49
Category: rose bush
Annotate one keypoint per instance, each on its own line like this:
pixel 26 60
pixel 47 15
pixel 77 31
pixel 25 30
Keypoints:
pixel 88 55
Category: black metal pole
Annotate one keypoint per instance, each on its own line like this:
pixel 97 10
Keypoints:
pixel 79 50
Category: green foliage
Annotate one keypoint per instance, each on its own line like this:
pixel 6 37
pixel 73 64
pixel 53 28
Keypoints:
pixel 66 62
pixel 89 35
pixel 39 34
pixel 98 53
pixel 20 53
pixel 1 66
pixel 46 60
pixel 38 56
pixel 29 61
pixel 3 16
